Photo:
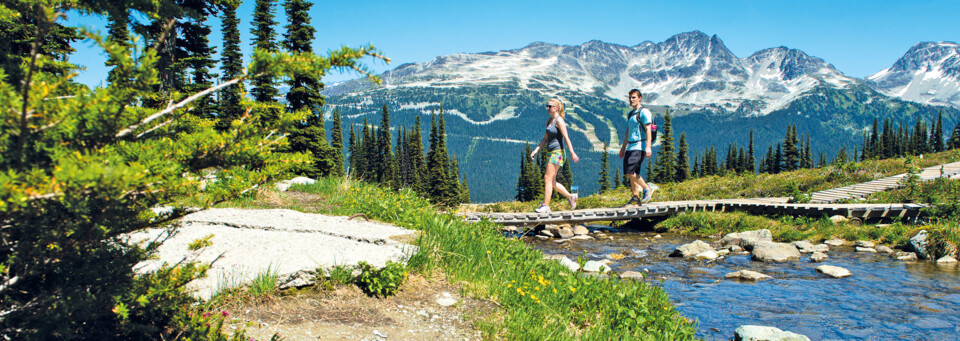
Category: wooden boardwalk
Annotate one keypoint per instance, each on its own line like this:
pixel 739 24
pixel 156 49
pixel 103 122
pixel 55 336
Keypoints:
pixel 862 190
pixel 822 204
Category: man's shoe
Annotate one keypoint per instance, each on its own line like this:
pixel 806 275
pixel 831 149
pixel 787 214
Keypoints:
pixel 647 195
pixel 634 201
pixel 573 200
pixel 542 209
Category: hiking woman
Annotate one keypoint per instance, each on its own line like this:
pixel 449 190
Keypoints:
pixel 637 147
pixel 553 139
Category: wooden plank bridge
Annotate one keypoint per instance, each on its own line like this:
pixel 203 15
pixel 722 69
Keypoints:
pixel 821 205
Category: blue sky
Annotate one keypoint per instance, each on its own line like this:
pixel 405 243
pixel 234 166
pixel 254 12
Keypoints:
pixel 858 37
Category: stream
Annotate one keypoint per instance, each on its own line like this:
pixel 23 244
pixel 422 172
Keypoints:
pixel 885 299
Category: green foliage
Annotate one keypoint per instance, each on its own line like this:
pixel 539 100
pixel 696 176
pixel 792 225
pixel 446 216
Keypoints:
pixel 795 194
pixel 604 176
pixel 339 275
pixel 265 283
pixel 81 168
pixel 264 87
pixel 381 282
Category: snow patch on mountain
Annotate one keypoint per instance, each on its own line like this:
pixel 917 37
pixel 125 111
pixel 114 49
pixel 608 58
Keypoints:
pixel 928 73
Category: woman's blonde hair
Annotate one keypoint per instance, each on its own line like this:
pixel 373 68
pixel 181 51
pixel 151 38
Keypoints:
pixel 560 108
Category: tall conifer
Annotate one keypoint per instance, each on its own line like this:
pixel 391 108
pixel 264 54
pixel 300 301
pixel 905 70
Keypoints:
pixel 751 161
pixel 683 163
pixel 264 87
pixel 955 137
pixel 665 168
pixel 231 66
pixel 336 142
pixel 604 176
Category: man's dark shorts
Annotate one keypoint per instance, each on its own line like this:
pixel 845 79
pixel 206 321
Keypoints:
pixel 632 160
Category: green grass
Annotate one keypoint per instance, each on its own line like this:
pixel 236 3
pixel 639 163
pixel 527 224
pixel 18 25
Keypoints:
pixel 541 299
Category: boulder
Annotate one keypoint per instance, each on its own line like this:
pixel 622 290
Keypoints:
pixel 631 275
pixel 546 233
pixel 746 239
pixel 918 244
pixel 837 219
pixel 833 271
pixel 691 249
pixel 297 279
pixel 865 249
pixel 595 266
pixel 863 243
pixel 946 260
pixel 707 255
pixel 774 252
pixel 764 333
pixel 580 230
pixel 746 275
pixel 905 256
pixel 569 264
pixel 803 246
pixel 818 257
pixel 821 248
pixel 834 242
pixel 884 249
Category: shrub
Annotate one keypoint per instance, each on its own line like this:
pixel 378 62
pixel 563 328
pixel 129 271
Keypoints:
pixel 381 282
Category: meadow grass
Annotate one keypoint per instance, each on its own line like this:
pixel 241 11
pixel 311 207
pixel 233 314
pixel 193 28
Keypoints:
pixel 541 299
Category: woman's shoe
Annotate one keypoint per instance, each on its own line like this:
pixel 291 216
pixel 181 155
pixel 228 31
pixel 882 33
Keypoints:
pixel 573 200
pixel 542 209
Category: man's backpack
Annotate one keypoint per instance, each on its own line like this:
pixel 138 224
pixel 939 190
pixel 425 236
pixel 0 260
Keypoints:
pixel 653 129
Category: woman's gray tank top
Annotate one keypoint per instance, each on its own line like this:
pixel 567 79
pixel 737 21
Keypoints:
pixel 554 138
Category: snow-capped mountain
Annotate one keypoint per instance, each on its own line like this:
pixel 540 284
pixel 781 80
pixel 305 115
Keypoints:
pixel 689 71
pixel 928 73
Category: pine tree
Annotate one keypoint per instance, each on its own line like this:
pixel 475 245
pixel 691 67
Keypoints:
pixel 791 154
pixel 453 180
pixel 751 161
pixel 778 160
pixel 441 190
pixel 336 142
pixel 264 87
pixel 119 31
pixel 528 182
pixel 665 168
pixel 352 150
pixel 841 156
pixel 604 176
pixel 872 150
pixel 418 164
pixel 464 191
pixel 193 56
pixel 231 66
pixel 955 137
pixel 695 171
pixel 615 181
pixel 387 174
pixel 936 136
pixel 807 154
pixel 20 27
pixel 768 161
pixel 683 162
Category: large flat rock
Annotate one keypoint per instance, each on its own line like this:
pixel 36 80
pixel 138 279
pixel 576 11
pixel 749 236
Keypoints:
pixel 247 243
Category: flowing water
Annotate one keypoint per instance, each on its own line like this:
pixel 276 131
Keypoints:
pixel 885 299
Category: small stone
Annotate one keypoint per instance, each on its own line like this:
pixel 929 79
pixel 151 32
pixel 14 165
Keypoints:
pixel 446 299
pixel 736 248
pixel 863 243
pixel 865 249
pixel 821 248
pixel 594 266
pixel 542 237
pixel 918 244
pixel 818 257
pixel 905 256
pixel 546 233
pixel 834 242
pixel 423 313
pixel 757 333
pixel 631 275
pixel 833 271
pixel 657 236
pixel 569 264
pixel 747 275
pixel 580 230
pixel 946 260
pixel 691 249
pixel 804 246
pixel 707 255
pixel 582 237
pixel 722 253
pixel 884 249
pixel 837 219
pixel 774 252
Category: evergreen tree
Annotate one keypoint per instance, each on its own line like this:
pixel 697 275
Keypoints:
pixel 807 154
pixel 742 163
pixel 604 176
pixel 231 66
pixel 529 182
pixel 418 169
pixel 873 147
pixel 441 190
pixel 695 171
pixel 683 162
pixel 193 56
pixel 778 160
pixel 336 142
pixel 841 156
pixel 387 174
pixel 710 166
pixel 768 161
pixel 352 150
pixel 751 161
pixel 362 156
pixel 615 182
pixel 936 136
pixel 791 154
pixel 118 28
pixel 822 160
pixel 264 87
pixel 453 179
pixel 464 191
pixel 665 168
pixel 955 137
pixel 22 25
pixel 729 162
